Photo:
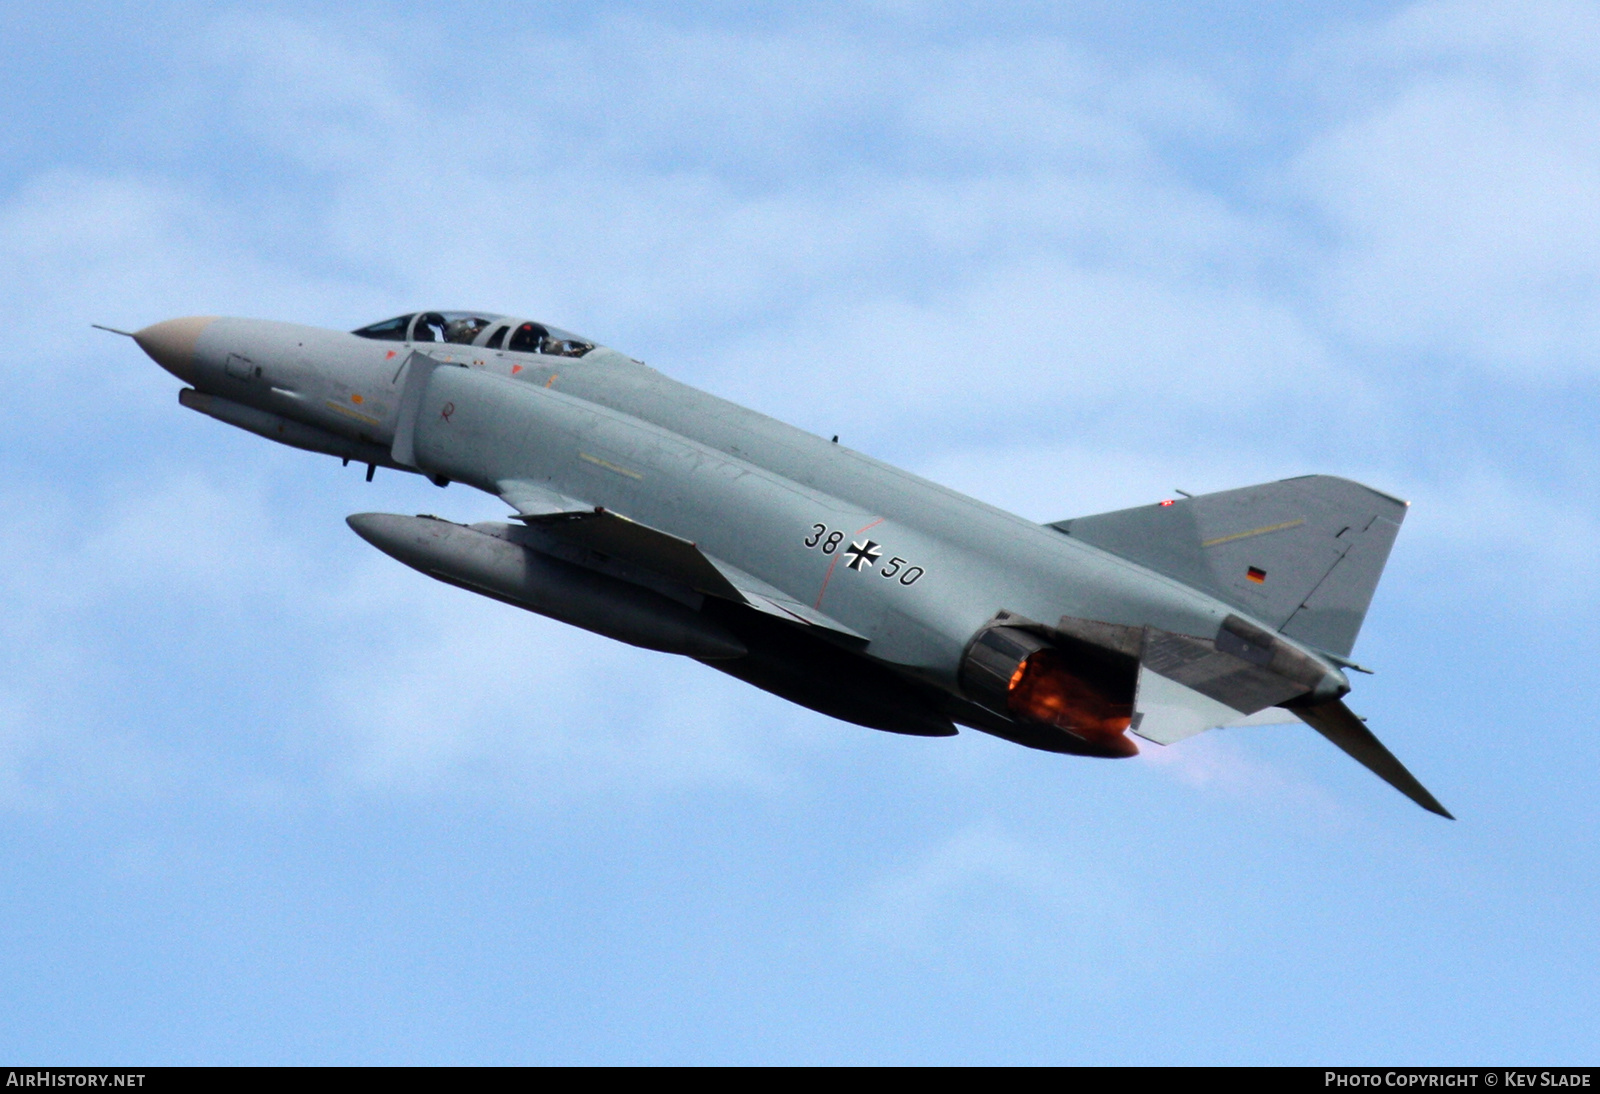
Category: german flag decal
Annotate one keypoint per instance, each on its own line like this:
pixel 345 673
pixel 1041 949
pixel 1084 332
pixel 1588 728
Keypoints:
pixel 1256 574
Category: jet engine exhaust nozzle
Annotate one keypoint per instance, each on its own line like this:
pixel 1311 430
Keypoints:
pixel 1020 675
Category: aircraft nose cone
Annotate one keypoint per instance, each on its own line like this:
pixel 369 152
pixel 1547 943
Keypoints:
pixel 170 344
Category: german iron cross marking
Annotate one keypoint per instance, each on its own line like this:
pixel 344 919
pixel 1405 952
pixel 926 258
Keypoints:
pixel 863 554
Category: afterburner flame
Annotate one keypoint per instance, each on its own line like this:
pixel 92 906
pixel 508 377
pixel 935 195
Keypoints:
pixel 1043 690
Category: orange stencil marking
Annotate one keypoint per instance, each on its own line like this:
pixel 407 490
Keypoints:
pixel 827 577
pixel 357 399
pixel 515 369
pixel 388 355
pixel 552 379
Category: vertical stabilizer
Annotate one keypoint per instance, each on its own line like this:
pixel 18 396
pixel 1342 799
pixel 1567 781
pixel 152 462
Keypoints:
pixel 1302 555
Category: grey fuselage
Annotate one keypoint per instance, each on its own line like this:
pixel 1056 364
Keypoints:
pixel 749 490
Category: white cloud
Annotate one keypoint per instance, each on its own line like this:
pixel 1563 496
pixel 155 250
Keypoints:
pixel 97 597
pixel 1461 190
pixel 729 173
pixel 462 695
pixel 982 887
pixel 1042 349
pixel 1486 537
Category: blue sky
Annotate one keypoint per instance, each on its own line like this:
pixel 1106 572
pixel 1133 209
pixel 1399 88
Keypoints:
pixel 267 796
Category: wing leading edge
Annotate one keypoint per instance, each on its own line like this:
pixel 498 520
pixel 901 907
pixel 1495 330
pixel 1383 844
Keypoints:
pixel 662 553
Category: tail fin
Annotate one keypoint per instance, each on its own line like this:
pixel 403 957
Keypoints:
pixel 1303 555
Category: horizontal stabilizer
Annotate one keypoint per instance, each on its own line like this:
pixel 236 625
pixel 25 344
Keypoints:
pixel 1302 555
pixel 1336 722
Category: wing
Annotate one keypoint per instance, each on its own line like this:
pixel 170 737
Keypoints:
pixel 662 553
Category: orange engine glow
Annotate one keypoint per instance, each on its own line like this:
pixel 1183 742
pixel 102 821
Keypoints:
pixel 1043 690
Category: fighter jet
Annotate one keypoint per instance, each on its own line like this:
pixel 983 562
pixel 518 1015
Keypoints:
pixel 662 516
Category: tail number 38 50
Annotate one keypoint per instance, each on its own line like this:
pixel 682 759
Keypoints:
pixel 862 555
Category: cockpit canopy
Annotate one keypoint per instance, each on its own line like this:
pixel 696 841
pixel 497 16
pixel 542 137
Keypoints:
pixel 469 328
